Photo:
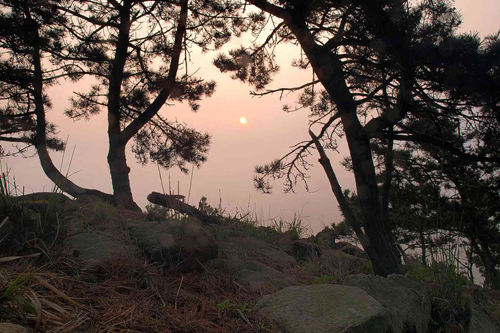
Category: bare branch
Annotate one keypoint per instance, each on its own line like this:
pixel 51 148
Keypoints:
pixel 282 90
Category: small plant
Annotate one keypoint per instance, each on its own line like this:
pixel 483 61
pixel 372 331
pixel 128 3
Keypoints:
pixel 31 220
pixel 244 307
pixel 444 284
pixel 102 212
pixel 9 296
pixel 205 207
pixel 324 279
pixel 295 227
pixel 226 306
pixel 156 213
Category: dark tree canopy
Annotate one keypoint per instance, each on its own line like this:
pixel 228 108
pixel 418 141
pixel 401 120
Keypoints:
pixel 381 68
pixel 28 32
pixel 137 54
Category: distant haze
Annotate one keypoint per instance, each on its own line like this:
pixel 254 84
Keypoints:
pixel 236 148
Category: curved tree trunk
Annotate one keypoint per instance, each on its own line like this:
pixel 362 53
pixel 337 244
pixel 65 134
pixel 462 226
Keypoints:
pixel 62 181
pixel 39 141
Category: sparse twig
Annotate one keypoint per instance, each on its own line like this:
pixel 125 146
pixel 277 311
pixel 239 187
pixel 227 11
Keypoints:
pixel 178 290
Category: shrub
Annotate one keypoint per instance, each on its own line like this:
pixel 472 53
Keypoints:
pixel 27 219
pixel 445 284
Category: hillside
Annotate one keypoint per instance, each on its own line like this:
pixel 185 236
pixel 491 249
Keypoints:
pixel 87 266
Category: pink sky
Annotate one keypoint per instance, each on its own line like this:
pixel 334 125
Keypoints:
pixel 235 149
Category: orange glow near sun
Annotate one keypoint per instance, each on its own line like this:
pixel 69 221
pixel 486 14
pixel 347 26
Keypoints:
pixel 243 120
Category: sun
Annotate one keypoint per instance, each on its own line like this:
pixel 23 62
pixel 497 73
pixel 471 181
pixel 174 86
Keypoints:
pixel 243 120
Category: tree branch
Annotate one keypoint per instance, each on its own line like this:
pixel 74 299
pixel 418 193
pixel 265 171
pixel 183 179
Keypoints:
pixel 282 90
pixel 169 84
pixel 170 201
pixel 19 140
pixel 422 138
pixel 271 9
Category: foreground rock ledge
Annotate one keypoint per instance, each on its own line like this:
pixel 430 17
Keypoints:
pixel 175 244
pixel 368 303
pixel 324 308
pixel 405 298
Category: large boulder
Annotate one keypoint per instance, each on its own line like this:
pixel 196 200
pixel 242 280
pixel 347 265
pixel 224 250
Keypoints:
pixel 481 321
pixel 186 245
pixel 96 246
pixel 483 308
pixel 304 250
pixel 368 303
pixel 324 308
pixel 406 300
pixel 247 248
pixel 253 273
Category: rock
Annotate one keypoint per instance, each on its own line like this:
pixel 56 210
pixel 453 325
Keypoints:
pixel 406 300
pixel 481 321
pixel 324 308
pixel 176 244
pixel 306 251
pixel 326 237
pixel 319 260
pixel 335 261
pixel 256 250
pixel 480 307
pixel 43 197
pixel 94 246
pixel 350 249
pixel 253 273
pixel 12 328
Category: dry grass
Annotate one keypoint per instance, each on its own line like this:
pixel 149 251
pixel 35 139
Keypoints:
pixel 56 292
pixel 334 268
pixel 127 295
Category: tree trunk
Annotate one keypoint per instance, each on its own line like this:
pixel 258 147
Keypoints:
pixel 328 67
pixel 383 250
pixel 385 255
pixel 389 165
pixel 424 248
pixel 63 182
pixel 39 141
pixel 380 266
pixel 492 276
pixel 120 176
pixel 171 202
pixel 117 160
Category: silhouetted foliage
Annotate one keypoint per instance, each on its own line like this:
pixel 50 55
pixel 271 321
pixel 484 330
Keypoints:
pixel 135 53
pixel 28 32
pixel 32 34
pixel 381 67
pixel 444 206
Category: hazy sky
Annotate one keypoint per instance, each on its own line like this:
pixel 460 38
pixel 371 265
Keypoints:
pixel 235 150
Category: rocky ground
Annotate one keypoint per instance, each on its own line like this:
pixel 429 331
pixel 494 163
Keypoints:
pixel 104 269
